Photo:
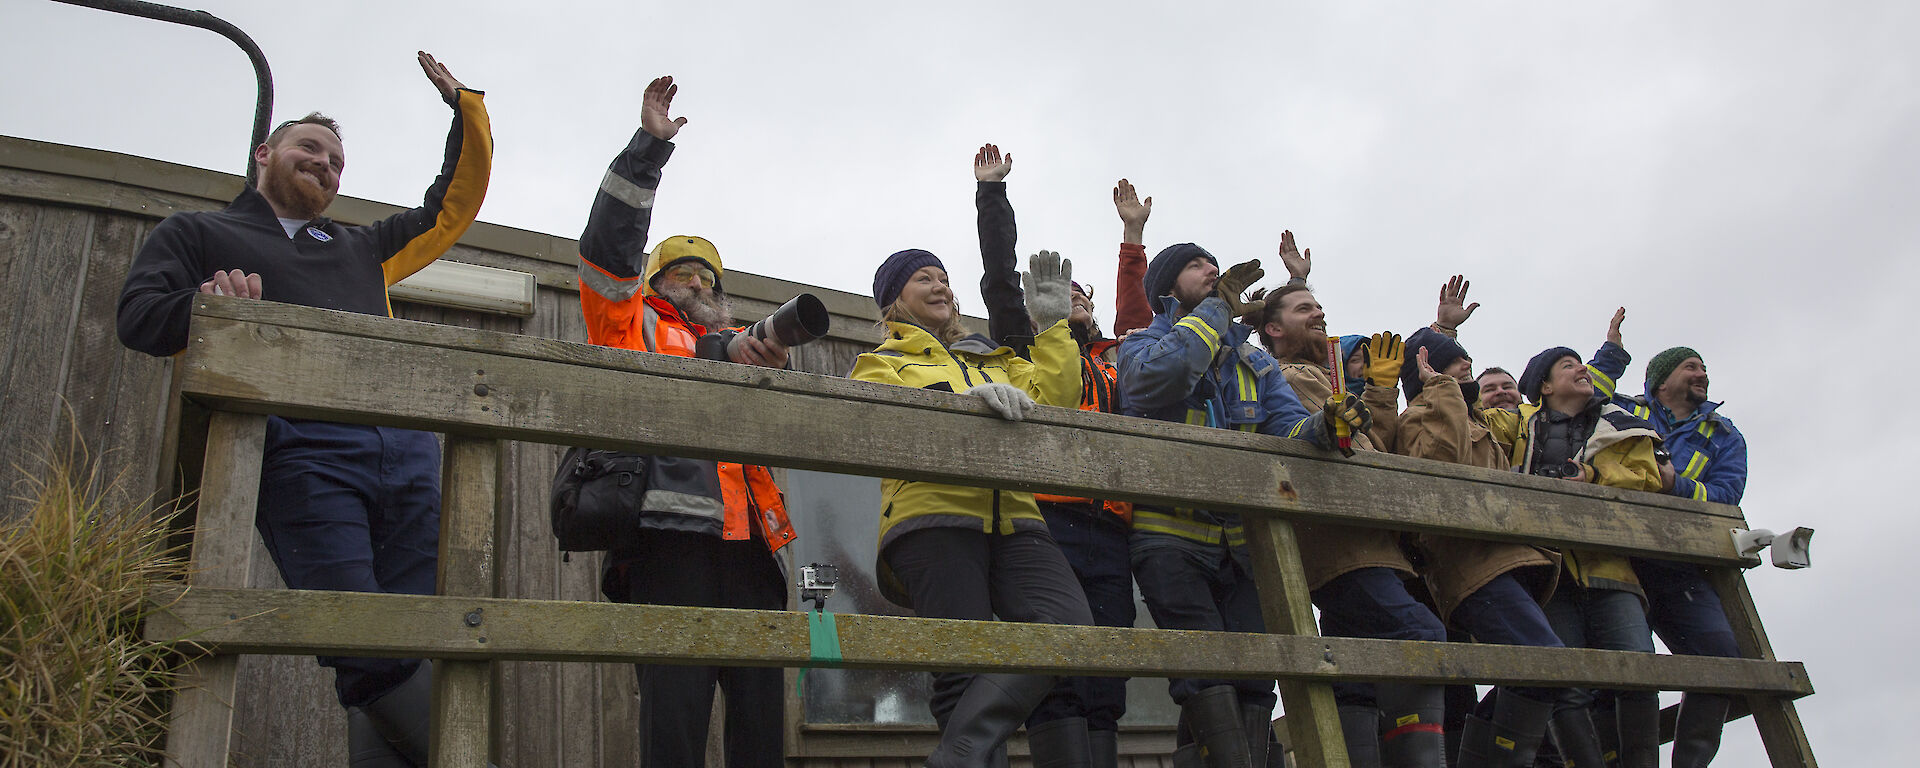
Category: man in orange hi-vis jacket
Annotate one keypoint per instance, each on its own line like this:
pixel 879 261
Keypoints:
pixel 711 532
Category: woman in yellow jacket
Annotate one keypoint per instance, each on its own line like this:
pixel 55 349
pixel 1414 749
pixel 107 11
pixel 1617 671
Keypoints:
pixel 956 552
pixel 1569 431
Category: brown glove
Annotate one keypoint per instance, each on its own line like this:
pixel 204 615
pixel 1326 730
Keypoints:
pixel 1234 283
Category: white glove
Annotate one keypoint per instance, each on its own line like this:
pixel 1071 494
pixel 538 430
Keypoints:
pixel 1011 402
pixel 1049 284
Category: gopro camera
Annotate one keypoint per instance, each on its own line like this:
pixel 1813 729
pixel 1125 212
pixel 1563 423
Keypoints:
pixel 817 582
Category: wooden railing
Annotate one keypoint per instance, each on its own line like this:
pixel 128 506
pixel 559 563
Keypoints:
pixel 247 359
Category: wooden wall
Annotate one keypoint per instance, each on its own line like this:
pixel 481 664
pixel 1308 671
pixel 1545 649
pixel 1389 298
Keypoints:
pixel 71 220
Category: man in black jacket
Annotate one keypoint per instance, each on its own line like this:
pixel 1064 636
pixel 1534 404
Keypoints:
pixel 342 506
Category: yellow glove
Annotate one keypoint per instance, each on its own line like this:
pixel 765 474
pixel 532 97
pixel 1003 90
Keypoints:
pixel 1234 282
pixel 1385 354
pixel 1350 411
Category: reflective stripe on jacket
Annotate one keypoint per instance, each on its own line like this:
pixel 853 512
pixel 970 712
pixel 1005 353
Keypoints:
pixel 1709 453
pixel 912 357
pixel 1097 394
pixel 722 499
pixel 1198 369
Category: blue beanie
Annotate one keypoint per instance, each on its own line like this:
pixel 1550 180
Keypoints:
pixel 1538 368
pixel 1165 269
pixel 1350 342
pixel 1442 351
pixel 893 273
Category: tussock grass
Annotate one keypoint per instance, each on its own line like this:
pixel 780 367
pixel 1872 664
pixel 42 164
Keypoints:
pixel 79 686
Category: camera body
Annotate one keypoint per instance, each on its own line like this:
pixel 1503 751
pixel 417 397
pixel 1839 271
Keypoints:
pixel 1562 470
pixel 817 582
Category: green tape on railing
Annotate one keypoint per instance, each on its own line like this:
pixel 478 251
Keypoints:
pixel 824 637
pixel 823 640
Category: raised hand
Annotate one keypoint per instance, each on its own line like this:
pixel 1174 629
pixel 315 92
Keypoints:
pixel 233 283
pixel 1133 212
pixel 1298 265
pixel 989 165
pixel 1452 296
pixel 1613 328
pixel 1234 282
pixel 655 103
pixel 1426 369
pixel 1049 287
pixel 442 79
pixel 1385 353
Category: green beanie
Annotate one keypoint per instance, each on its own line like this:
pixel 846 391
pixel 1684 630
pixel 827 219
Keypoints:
pixel 1663 364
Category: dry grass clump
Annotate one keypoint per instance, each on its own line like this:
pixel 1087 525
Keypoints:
pixel 79 686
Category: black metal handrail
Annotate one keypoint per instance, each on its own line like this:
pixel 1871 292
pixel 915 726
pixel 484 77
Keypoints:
pixel 263 103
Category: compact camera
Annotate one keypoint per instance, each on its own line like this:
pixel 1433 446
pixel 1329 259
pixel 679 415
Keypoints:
pixel 817 582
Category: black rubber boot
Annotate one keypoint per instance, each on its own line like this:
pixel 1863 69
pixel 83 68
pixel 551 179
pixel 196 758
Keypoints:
pixel 1411 734
pixel 1360 729
pixel 990 710
pixel 1577 739
pixel 1213 715
pixel 1060 744
pixel 1510 738
pixel 1103 748
pixel 404 715
pixel 1257 723
pixel 366 748
pixel 1607 723
pixel 1696 734
pixel 1639 713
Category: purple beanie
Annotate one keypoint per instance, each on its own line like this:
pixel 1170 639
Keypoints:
pixel 893 273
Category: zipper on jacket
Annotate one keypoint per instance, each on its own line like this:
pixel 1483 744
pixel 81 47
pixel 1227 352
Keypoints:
pixel 956 361
pixel 995 522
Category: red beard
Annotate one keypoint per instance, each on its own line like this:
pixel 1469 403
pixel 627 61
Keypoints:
pixel 294 192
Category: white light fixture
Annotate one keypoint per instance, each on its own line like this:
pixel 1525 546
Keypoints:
pixel 469 286
pixel 1790 550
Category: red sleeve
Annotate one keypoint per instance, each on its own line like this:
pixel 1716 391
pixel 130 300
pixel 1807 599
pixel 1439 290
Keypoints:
pixel 1130 307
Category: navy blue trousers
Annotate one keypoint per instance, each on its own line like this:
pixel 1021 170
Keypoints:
pixel 352 508
pixel 1373 603
pixel 1094 542
pixel 1604 619
pixel 676 701
pixel 1685 610
pixel 1504 613
pixel 1190 585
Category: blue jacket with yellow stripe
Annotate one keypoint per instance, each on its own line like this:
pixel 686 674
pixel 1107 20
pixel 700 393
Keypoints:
pixel 1709 454
pixel 1198 369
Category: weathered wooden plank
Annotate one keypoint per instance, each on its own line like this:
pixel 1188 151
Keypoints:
pixel 201 729
pixel 567 393
pixel 362 624
pixel 1314 717
pixel 43 286
pixel 463 690
pixel 1775 717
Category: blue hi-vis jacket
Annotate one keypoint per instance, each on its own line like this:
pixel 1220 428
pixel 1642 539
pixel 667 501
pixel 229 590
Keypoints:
pixel 1709 454
pixel 1199 369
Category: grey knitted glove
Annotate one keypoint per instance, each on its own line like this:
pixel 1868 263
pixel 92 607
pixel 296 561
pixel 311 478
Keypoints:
pixel 1011 402
pixel 1049 284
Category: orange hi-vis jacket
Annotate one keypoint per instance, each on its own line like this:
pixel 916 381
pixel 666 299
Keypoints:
pixel 1097 377
pixel 720 498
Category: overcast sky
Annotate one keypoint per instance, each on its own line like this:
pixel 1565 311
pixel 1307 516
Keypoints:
pixel 1740 175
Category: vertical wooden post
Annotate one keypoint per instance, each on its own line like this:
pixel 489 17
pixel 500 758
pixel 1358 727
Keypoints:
pixel 1774 716
pixel 463 690
pixel 1313 718
pixel 200 731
